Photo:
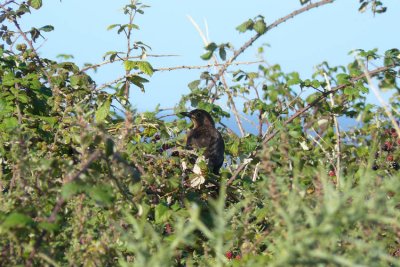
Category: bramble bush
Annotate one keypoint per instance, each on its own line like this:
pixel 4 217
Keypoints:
pixel 87 180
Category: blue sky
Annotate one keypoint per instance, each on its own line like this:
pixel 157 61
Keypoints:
pixel 326 33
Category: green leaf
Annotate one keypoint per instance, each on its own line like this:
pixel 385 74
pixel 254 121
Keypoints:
pixel 222 53
pixel 101 193
pixel 16 220
pixel 51 227
pixel 112 26
pixel 138 81
pixel 247 25
pixel 130 65
pixel 315 84
pixel 342 78
pixel 207 55
pixel 162 213
pixel 9 79
pixel 10 123
pixel 234 148
pixel 211 46
pixel 349 90
pixel 145 67
pixel 50 120
pixel 65 56
pixel 260 27
pixel 111 54
pixel 295 134
pixel 109 145
pixel 47 28
pixel 70 189
pixel 36 4
pixel 194 85
pixel 103 111
pixel 295 79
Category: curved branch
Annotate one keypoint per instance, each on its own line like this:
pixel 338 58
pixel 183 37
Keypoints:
pixel 258 35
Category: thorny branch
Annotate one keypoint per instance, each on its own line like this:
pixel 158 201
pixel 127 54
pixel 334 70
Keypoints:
pixel 105 85
pixel 324 95
pixel 258 35
pixel 95 66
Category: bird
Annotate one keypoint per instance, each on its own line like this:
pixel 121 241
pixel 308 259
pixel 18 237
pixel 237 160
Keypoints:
pixel 204 135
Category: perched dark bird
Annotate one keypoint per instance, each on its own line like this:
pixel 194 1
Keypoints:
pixel 205 135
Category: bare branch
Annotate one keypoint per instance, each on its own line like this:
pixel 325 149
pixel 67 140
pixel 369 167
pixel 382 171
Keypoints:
pixel 105 85
pixel 94 66
pixel 7 3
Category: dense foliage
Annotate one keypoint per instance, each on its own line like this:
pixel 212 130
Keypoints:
pixel 88 181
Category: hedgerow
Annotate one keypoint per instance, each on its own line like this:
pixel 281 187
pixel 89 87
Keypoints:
pixel 87 180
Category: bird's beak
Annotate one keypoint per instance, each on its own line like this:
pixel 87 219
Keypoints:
pixel 186 114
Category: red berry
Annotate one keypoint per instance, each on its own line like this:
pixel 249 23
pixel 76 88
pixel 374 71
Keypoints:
pixel 394 134
pixel 331 173
pixel 398 142
pixel 168 228
pixel 389 158
pixel 387 146
pixel 229 255
pixel 238 257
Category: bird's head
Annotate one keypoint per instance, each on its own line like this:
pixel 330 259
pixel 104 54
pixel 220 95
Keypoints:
pixel 199 117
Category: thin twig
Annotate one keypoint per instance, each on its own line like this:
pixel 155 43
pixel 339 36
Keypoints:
pixel 7 3
pixel 258 35
pixel 222 77
pixel 376 92
pixel 105 85
pixel 208 66
pixel 338 139
pixel 94 66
